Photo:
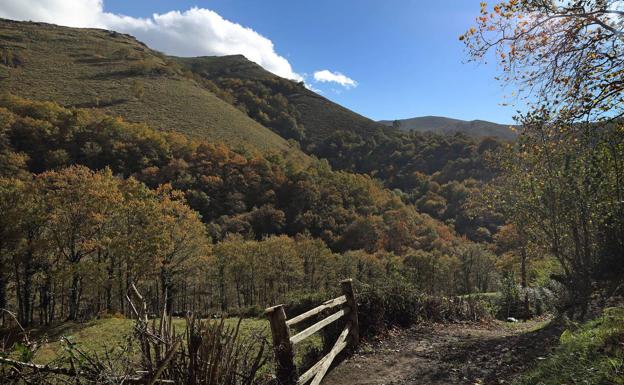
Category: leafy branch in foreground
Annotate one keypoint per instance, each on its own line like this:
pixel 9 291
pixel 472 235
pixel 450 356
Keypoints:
pixel 565 56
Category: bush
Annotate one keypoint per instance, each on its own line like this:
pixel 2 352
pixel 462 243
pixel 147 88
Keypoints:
pixel 10 58
pixel 398 303
pixel 302 302
pixel 254 311
pixel 518 302
pixel 115 315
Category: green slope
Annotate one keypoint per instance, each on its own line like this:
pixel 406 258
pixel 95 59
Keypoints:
pixel 320 116
pixel 447 126
pixel 104 69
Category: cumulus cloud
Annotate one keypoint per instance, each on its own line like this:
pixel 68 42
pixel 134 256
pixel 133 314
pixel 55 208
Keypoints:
pixel 194 32
pixel 327 76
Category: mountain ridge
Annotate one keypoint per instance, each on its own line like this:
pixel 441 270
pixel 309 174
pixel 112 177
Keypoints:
pixel 444 125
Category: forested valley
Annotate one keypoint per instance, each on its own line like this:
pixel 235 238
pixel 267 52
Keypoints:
pixel 111 203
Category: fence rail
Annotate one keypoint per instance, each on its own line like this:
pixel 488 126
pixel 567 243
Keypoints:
pixel 283 343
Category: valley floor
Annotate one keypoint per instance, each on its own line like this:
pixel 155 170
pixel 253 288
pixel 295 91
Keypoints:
pixel 493 353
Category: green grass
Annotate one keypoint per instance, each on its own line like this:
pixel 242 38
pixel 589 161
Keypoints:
pixel 99 336
pixel 97 69
pixel 591 354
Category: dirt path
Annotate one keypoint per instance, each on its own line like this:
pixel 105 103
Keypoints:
pixel 448 354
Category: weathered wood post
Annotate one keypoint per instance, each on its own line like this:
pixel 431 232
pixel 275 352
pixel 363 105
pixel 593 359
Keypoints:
pixel 352 316
pixel 285 370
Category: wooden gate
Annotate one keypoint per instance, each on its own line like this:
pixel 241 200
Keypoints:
pixel 283 343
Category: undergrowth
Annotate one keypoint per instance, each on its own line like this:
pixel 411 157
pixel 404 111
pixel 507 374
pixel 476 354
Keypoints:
pixel 591 354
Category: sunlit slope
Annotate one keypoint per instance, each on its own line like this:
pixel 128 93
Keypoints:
pixel 116 73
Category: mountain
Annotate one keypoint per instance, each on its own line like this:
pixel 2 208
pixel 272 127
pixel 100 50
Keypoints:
pixel 320 116
pixel 119 75
pixel 442 125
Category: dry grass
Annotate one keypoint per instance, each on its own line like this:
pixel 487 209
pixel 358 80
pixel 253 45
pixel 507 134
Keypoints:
pixel 97 68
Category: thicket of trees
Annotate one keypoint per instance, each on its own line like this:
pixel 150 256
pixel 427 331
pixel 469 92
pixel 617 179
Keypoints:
pixel 77 234
pixel 561 183
pixel 438 173
pixel 92 204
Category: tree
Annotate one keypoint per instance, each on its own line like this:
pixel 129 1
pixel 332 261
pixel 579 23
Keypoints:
pixel 566 57
pixel 134 241
pixel 10 197
pixel 566 195
pixel 138 89
pixel 563 176
pixel 80 203
pixel 184 240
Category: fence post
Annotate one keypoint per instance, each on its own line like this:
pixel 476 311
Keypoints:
pixel 347 290
pixel 286 370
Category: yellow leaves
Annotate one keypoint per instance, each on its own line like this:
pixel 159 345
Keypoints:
pixel 483 5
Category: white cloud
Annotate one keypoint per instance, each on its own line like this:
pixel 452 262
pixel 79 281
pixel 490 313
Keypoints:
pixel 195 32
pixel 326 76
pixel 312 88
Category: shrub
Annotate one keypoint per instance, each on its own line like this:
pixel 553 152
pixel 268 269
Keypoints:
pixel 254 311
pixel 510 297
pixel 115 315
pixel 10 58
pixel 398 303
pixel 518 302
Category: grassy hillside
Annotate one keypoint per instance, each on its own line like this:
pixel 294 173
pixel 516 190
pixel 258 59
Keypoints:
pixel 120 75
pixel 320 116
pixel 446 126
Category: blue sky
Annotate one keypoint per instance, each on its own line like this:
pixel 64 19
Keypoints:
pixel 404 55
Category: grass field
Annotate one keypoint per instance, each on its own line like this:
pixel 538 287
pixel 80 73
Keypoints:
pixel 99 336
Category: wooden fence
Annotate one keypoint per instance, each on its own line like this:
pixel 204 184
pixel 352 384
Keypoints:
pixel 283 342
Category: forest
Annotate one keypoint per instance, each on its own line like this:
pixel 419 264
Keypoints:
pixel 229 218
pixel 436 173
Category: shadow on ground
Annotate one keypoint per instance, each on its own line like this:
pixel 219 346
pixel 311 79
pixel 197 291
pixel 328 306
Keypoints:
pixel 493 353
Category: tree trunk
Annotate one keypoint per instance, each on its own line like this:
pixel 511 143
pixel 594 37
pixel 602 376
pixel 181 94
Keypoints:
pixel 523 281
pixel 109 285
pixel 167 288
pixel 74 297
pixel 23 286
pixel 52 304
pixel 222 294
pixel 3 297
